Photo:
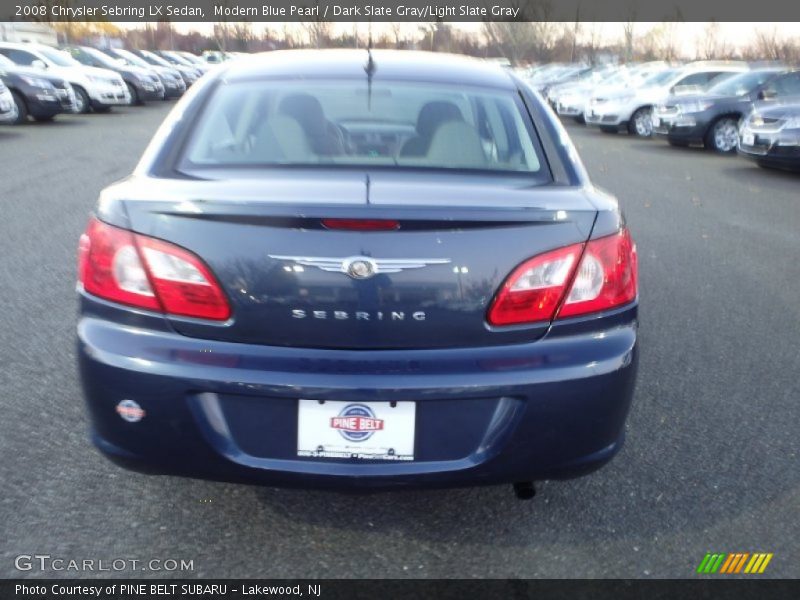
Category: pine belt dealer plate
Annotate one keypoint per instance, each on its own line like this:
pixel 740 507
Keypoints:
pixel 356 430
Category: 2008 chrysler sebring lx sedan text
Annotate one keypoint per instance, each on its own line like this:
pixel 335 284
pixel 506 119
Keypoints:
pixel 359 270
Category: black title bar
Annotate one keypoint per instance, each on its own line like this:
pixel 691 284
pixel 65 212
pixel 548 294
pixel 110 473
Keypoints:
pixel 387 589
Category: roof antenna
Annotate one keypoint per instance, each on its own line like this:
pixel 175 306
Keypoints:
pixel 369 68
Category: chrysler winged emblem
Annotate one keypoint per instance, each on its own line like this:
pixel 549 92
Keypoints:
pixel 362 267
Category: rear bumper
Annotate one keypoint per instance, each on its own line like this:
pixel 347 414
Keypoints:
pixel 552 409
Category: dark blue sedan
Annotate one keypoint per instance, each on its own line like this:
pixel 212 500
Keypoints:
pixel 359 270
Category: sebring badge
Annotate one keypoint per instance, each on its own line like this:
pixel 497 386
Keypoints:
pixel 362 267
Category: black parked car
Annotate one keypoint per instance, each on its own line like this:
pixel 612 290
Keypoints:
pixel 712 118
pixel 143 84
pixel 174 87
pixel 770 135
pixel 36 93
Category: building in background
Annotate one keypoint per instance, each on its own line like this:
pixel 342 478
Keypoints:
pixel 40 33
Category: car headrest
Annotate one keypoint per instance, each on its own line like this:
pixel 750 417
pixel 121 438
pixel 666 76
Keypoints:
pixel 456 145
pixel 306 109
pixel 433 114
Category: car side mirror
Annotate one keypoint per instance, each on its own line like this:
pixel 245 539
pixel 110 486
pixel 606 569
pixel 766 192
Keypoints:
pixel 767 94
pixel 39 64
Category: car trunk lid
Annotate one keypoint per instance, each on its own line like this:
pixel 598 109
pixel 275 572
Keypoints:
pixel 292 281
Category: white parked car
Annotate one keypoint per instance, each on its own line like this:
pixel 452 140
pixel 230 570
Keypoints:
pixel 97 89
pixel 589 79
pixel 631 108
pixel 571 101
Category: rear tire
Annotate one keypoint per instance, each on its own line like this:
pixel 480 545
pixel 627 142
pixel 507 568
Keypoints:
pixel 641 123
pixel 723 136
pixel 22 108
pixel 82 104
pixel 607 129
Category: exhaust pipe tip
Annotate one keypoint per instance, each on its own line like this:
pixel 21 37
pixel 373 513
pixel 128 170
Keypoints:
pixel 524 490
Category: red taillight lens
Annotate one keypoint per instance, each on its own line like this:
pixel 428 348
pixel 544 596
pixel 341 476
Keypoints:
pixel 361 224
pixel 599 276
pixel 121 266
pixel 110 267
pixel 534 290
pixel 606 278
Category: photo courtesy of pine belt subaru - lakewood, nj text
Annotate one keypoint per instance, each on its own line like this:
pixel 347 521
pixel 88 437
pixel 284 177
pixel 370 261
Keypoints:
pixel 359 269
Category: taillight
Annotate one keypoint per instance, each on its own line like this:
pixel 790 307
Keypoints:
pixel 361 224
pixel 125 267
pixel 581 279
pixel 534 290
pixel 110 267
pixel 607 277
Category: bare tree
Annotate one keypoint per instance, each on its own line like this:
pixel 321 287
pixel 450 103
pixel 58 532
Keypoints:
pixel 242 35
pixel 317 30
pixel 533 38
pixel 221 30
pixel 628 30
pixel 576 31
pixel 397 30
pixel 712 44
pixel 659 43
pixel 592 43
pixel 767 44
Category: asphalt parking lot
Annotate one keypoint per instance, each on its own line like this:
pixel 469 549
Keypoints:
pixel 710 465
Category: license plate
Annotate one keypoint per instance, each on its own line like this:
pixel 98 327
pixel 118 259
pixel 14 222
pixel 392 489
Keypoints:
pixel 748 139
pixel 656 121
pixel 356 430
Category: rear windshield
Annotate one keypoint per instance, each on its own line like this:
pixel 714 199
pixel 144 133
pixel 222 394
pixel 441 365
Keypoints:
pixel 390 124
